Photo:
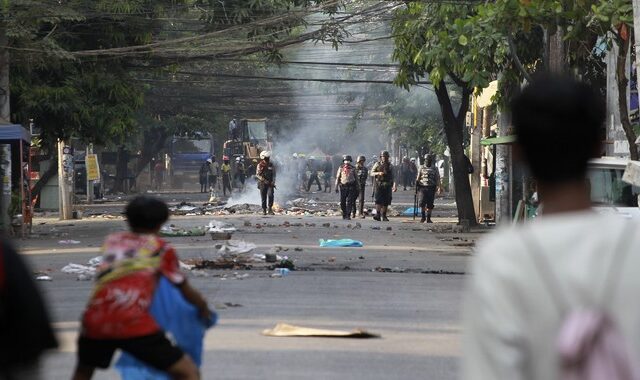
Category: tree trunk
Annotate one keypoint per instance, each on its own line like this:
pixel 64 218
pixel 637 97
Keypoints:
pixel 453 127
pixel 621 78
pixel 5 109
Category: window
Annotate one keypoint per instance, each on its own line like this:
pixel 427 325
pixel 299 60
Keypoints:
pixel 607 188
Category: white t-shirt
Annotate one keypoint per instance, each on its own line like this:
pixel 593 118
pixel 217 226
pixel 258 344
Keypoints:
pixel 510 318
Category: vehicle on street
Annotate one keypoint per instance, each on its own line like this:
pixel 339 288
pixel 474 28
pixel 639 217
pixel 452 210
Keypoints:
pixel 186 155
pixel 609 194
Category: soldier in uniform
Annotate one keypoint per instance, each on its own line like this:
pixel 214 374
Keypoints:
pixel 312 172
pixel 327 168
pixel 428 181
pixel 383 174
pixel 362 173
pixel 266 176
pixel 241 173
pixel 347 184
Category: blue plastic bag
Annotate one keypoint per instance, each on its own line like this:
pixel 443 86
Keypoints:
pixel 340 243
pixel 410 211
pixel 179 318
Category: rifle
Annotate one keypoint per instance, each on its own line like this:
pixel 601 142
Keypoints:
pixel 415 202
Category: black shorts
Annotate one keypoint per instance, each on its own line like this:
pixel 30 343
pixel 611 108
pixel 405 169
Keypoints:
pixel 155 350
pixel 427 197
pixel 384 195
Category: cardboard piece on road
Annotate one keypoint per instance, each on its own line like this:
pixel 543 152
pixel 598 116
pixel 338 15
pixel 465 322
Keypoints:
pixel 287 330
pixel 632 173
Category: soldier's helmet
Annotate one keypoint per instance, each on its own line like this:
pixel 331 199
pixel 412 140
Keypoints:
pixel 265 154
pixel 346 157
pixel 361 159
pixel 384 153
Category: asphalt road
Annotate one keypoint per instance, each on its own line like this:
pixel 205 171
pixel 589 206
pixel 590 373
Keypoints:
pixel 389 287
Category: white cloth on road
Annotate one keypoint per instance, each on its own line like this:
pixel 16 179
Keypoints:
pixel 510 319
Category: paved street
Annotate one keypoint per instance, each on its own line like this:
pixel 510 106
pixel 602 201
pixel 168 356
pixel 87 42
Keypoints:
pixel 389 287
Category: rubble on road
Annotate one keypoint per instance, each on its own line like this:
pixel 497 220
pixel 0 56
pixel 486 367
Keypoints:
pixel 173 231
pixel 71 242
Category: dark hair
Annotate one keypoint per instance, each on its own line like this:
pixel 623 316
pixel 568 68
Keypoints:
pixel 146 213
pixel 557 121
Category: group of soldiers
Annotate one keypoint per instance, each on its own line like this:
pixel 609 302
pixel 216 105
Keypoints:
pixel 235 177
pixel 350 183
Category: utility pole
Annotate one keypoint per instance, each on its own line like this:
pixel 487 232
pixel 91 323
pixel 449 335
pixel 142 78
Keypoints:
pixel 65 176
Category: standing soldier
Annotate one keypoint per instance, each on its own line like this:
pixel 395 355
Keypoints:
pixel 382 172
pixel 428 181
pixel 204 176
pixel 226 175
pixel 347 182
pixel 266 176
pixel 362 173
pixel 312 173
pixel 328 170
pixel 241 173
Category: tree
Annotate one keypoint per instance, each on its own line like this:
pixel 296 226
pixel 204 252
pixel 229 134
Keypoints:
pixel 431 41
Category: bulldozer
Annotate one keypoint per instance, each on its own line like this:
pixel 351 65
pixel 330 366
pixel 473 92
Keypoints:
pixel 252 138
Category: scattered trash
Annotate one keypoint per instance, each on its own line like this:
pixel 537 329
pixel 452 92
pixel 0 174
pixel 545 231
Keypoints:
pixel 286 264
pixel 231 304
pixel 95 261
pixel 79 269
pixel 298 249
pixel 340 243
pixel 235 247
pixel 411 211
pixel 44 278
pixel 282 271
pixel 286 330
pixel 68 242
pixel 271 257
pixel 389 229
pixel 173 231
pixel 361 257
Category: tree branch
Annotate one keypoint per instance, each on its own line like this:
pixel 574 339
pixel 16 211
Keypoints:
pixel 516 59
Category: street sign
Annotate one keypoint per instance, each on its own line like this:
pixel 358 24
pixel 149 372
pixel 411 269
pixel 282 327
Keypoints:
pixel 93 171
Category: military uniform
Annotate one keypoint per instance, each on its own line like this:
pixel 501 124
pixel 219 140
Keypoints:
pixel 383 173
pixel 347 181
pixel 266 176
pixel 428 180
pixel 362 173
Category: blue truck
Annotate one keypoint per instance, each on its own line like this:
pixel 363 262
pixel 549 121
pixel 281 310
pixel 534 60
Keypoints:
pixel 186 155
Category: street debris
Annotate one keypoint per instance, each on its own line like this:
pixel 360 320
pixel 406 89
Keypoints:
pixel 44 277
pixel 71 242
pixel 280 272
pixel 287 330
pixel 340 243
pixel 220 230
pixel 235 247
pixel 174 231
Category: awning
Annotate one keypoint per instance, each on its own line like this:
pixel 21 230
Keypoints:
pixel 14 132
pixel 499 140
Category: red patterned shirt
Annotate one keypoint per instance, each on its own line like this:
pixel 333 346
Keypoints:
pixel 126 280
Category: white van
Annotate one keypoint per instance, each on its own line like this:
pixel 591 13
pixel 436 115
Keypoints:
pixel 608 193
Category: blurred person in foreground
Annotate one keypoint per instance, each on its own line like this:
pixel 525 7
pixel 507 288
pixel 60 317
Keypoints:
pixel 25 328
pixel 529 281
pixel 118 313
